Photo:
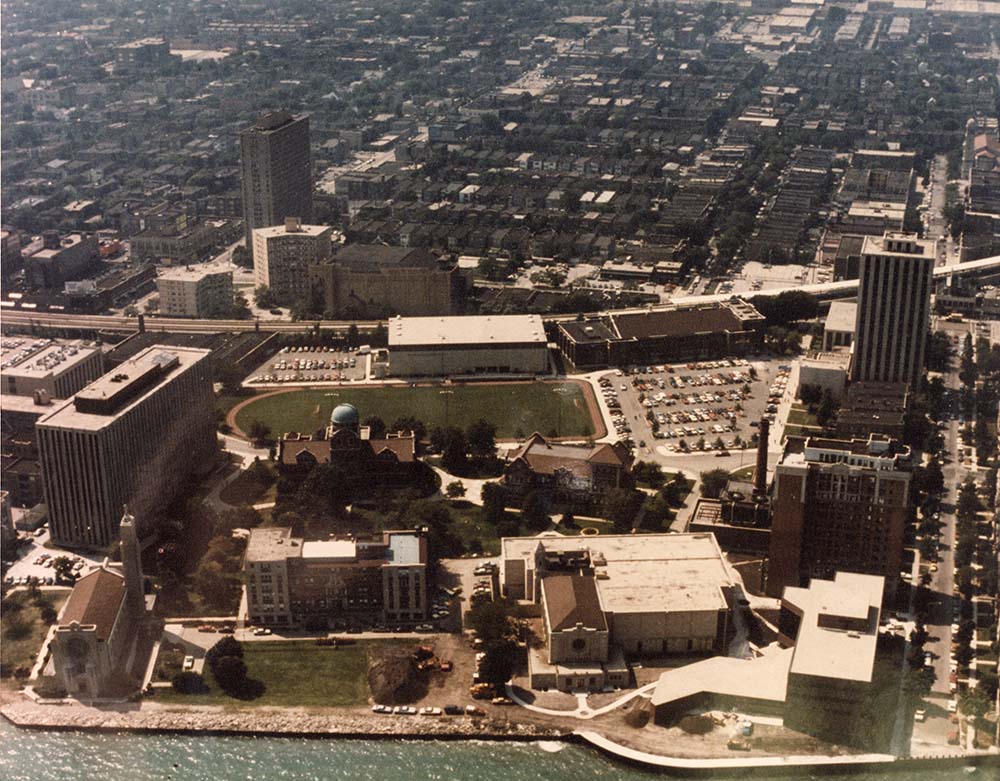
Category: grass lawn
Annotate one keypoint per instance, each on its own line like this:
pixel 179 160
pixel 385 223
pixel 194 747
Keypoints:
pixel 295 673
pixel 225 403
pixel 799 416
pixel 249 489
pixel 470 527
pixel 23 630
pixel 515 408
pixel 603 526
pixel 743 473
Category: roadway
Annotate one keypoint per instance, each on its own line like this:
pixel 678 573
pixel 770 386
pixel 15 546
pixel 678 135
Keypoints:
pixel 61 321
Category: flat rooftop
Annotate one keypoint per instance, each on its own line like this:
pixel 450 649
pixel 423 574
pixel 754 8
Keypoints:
pixel 764 678
pixel 300 230
pixel 330 550
pixel 836 653
pixel 193 273
pixel 842 316
pixel 272 544
pixel 22 356
pixel 123 388
pixel 468 330
pixel 645 572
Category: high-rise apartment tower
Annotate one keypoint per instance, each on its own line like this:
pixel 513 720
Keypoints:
pixel 894 294
pixel 276 171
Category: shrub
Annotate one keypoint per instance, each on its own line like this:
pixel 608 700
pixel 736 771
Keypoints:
pixel 189 683
pixel 50 689
pixel 696 725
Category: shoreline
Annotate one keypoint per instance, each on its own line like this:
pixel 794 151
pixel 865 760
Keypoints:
pixel 286 723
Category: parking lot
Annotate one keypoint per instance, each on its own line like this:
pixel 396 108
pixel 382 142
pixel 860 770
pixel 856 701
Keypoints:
pixel 704 406
pixel 310 364
pixel 35 562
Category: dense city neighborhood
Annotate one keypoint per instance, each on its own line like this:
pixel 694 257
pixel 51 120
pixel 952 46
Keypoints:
pixel 619 374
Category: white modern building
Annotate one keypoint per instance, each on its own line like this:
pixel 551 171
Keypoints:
pixel 470 345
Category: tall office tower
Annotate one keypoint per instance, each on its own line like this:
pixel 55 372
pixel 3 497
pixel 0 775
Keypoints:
pixel 277 171
pixel 131 437
pixel 838 506
pixel 283 255
pixel 894 295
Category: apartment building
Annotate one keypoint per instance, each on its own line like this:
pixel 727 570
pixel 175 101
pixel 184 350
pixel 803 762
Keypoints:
pixel 838 505
pixel 276 168
pixel 283 255
pixel 196 291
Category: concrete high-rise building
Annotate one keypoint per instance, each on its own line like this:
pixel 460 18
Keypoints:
pixel 838 505
pixel 283 255
pixel 277 171
pixel 894 296
pixel 131 437
pixel 205 290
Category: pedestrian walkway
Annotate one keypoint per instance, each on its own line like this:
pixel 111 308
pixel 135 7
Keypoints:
pixel 583 710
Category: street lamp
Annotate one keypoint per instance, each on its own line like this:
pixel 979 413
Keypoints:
pixel 446 394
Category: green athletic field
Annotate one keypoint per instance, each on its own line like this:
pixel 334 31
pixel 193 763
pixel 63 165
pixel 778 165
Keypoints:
pixel 515 408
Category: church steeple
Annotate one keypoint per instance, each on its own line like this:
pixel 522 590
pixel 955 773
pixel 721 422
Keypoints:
pixel 131 564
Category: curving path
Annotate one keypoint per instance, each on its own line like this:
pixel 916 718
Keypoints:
pixel 582 711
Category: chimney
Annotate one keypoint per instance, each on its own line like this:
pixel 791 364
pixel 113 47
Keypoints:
pixel 760 473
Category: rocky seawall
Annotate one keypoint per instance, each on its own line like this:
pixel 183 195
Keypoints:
pixel 134 717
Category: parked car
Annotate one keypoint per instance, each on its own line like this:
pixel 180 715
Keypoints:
pixel 381 709
pixel 262 632
pixel 188 663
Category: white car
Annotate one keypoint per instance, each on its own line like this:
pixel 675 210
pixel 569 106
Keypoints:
pixel 188 663
pixel 262 632
pixel 429 711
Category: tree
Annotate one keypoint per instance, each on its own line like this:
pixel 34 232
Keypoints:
pixel 242 257
pixel 648 473
pixel 789 306
pixel 713 483
pixel 497 666
pixel 494 497
pixel 259 432
pixel 453 455
pixel 455 489
pixel 63 567
pixel 48 615
pixel 621 506
pixel 263 297
pixel 938 353
pixel 230 673
pixel 353 337
pixel 481 439
pixel 534 512
pixel 489 620
pixel 376 426
pixel 974 703
pixel 826 409
pixel 410 423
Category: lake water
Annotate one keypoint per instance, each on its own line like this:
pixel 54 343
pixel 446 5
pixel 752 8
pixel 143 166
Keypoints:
pixel 68 756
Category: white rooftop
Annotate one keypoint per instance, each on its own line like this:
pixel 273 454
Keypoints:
pixel 194 272
pixel 837 653
pixel 23 356
pixel 467 330
pixel 404 549
pixel 842 316
pixel 645 572
pixel 330 550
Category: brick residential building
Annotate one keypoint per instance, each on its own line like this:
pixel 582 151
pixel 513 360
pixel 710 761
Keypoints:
pixel 838 505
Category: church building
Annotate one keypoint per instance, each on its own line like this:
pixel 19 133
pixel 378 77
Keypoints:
pixel 97 644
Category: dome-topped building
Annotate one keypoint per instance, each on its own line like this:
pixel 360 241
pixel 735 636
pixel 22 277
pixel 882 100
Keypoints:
pixel 345 416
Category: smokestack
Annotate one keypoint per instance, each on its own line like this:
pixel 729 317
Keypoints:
pixel 760 473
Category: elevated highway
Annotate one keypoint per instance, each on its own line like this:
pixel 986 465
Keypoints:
pixel 57 321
